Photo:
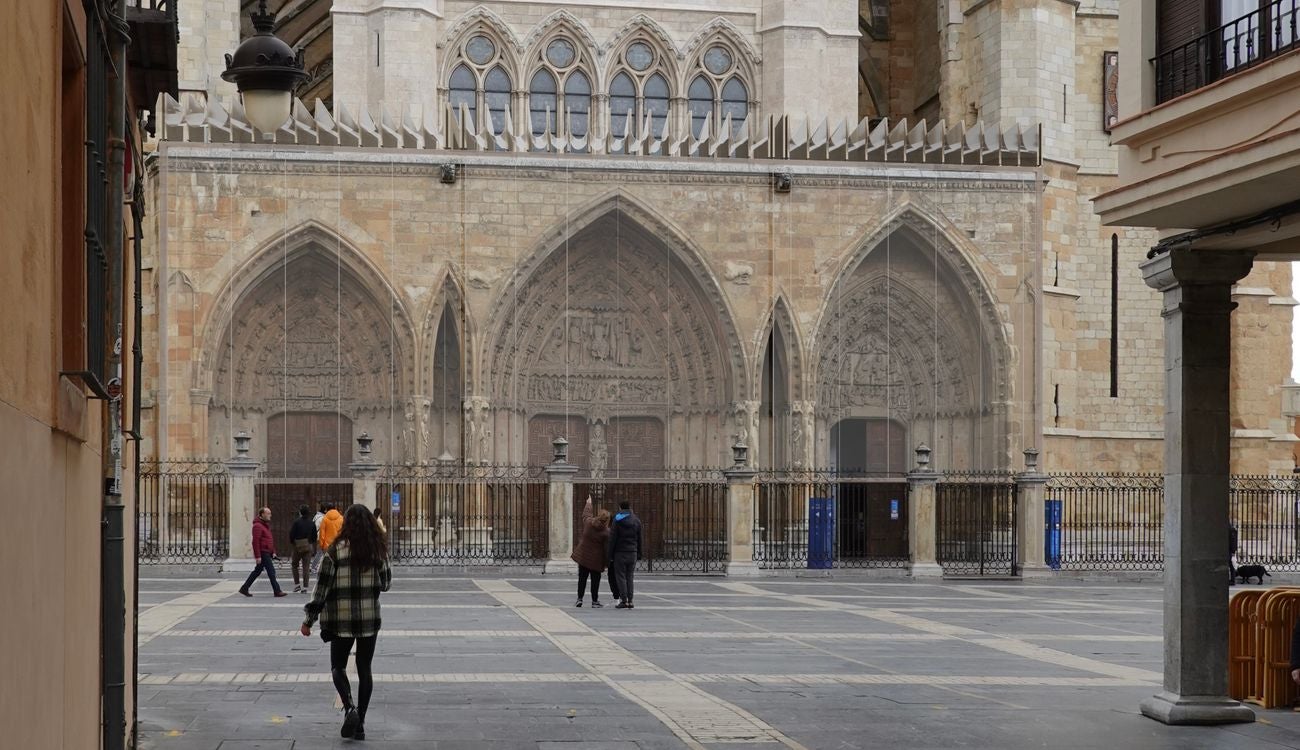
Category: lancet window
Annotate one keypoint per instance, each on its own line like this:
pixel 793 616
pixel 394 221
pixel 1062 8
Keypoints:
pixel 480 81
pixel 560 86
pixel 640 87
pixel 717 90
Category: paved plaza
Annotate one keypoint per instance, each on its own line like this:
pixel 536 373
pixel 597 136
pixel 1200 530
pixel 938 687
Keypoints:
pixel 497 661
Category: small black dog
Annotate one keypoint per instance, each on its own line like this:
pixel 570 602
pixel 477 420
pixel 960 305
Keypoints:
pixel 1247 572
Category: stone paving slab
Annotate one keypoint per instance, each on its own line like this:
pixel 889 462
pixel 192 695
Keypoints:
pixel 491 661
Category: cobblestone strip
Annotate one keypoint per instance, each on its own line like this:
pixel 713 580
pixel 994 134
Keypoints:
pixel 652 688
pixel 1006 644
pixel 163 617
pixel 695 716
pixel 388 632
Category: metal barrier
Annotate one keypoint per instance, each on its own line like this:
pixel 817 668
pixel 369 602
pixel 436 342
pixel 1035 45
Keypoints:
pixel 463 516
pixel 976 524
pixel 683 517
pixel 870 526
pixel 181 511
pixel 1242 644
pixel 1260 624
pixel 1109 521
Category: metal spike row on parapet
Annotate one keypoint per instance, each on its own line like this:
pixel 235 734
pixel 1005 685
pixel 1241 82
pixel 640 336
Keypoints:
pixel 198 119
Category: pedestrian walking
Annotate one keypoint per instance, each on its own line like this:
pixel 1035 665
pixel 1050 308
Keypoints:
pixel 591 552
pixel 329 526
pixel 302 538
pixel 1232 552
pixel 625 550
pixel 263 552
pixel 320 551
pixel 352 574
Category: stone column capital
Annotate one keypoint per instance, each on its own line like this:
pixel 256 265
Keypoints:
pixel 739 475
pixel 1184 268
pixel 922 476
pixel 243 468
pixel 561 472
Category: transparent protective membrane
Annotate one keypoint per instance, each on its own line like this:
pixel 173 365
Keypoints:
pixel 670 318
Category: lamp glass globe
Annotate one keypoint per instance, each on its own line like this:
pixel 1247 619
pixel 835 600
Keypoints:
pixel 267 110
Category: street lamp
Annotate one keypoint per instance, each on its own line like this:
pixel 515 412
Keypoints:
pixel 265 70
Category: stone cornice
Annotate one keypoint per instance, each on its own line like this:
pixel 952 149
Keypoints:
pixel 253 160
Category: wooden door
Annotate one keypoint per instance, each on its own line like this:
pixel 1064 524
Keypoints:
pixel 308 444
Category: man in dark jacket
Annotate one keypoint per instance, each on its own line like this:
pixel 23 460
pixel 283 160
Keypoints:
pixel 263 552
pixel 302 541
pixel 625 550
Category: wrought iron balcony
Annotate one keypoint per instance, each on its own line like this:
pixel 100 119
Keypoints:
pixel 1233 47
pixel 151 57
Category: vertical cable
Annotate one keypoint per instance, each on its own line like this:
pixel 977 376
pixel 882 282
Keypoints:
pixel 284 280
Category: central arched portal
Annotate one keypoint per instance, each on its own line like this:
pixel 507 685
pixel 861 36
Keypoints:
pixel 619 341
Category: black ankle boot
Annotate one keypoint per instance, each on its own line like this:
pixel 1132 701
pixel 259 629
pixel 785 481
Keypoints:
pixel 351 720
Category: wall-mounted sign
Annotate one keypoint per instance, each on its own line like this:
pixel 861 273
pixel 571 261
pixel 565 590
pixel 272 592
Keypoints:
pixel 1109 90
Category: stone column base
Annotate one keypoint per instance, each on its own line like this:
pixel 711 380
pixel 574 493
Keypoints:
pixel 236 565
pixel 565 567
pixel 1169 708
pixel 1036 571
pixel 926 570
pixel 745 569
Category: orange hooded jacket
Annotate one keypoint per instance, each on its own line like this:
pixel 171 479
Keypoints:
pixel 330 526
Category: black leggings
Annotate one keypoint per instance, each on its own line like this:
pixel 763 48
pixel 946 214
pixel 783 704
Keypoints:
pixel 595 583
pixel 339 650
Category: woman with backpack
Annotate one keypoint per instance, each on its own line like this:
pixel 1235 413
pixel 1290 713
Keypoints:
pixel 352 574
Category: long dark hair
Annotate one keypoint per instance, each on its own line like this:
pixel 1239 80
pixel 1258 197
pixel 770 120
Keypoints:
pixel 366 543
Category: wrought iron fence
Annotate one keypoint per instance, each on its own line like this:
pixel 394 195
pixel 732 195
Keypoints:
pixel 1101 521
pixel 683 516
pixel 1266 511
pixel 181 511
pixel 976 524
pixel 1235 46
pixel 869 527
pixel 465 516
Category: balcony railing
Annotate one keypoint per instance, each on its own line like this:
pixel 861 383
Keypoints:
pixel 1233 47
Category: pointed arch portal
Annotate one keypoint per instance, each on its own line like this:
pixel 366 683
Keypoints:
pixel 310 352
pixel 615 325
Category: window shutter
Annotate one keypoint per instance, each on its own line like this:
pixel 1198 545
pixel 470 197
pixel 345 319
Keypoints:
pixel 1179 22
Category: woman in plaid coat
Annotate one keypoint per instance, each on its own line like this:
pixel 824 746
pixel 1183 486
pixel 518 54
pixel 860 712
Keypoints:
pixel 352 574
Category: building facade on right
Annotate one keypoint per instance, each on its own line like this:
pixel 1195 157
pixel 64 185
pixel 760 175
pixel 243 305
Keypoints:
pixel 1209 136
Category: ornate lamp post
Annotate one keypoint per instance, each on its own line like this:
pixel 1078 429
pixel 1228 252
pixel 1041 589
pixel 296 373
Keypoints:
pixel 265 70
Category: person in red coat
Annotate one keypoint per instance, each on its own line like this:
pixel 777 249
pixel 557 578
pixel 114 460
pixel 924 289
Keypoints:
pixel 263 552
pixel 590 552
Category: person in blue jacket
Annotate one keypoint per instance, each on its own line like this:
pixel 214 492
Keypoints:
pixel 624 550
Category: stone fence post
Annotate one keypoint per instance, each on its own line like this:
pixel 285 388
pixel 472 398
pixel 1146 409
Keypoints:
pixel 922 483
pixel 1031 497
pixel 740 521
pixel 365 476
pixel 241 507
pixel 559 497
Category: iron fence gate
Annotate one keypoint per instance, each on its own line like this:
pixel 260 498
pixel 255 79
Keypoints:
pixel 683 518
pixel 870 519
pixel 1106 521
pixel 465 516
pixel 1266 510
pixel 181 511
pixel 976 524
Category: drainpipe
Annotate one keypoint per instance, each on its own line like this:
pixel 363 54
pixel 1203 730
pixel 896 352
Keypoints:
pixel 112 547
